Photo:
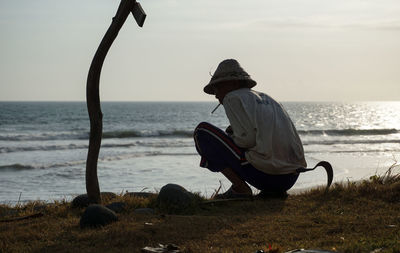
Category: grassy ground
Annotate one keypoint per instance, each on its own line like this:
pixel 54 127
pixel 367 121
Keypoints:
pixel 351 217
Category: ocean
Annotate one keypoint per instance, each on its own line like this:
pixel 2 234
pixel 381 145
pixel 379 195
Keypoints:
pixel 43 145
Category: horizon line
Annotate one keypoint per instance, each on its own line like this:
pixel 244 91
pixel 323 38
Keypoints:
pixel 195 101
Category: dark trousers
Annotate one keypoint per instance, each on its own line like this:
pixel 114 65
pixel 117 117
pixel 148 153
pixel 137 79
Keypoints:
pixel 218 151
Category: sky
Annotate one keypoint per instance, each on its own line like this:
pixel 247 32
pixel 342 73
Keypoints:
pixel 296 50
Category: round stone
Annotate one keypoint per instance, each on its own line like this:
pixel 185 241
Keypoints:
pixel 83 200
pixel 96 216
pixel 174 198
pixel 144 195
pixel 117 207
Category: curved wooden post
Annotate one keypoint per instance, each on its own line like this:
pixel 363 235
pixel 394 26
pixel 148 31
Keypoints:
pixel 93 98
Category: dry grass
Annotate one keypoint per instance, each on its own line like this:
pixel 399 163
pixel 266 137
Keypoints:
pixel 351 217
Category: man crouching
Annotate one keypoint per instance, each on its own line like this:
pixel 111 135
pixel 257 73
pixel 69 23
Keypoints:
pixel 261 146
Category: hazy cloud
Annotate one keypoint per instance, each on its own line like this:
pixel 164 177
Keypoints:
pixel 182 40
pixel 325 22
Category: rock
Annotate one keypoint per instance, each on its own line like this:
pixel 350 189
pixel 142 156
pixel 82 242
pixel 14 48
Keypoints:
pixel 140 194
pixel 96 216
pixel 117 207
pixel 83 200
pixel 145 211
pixel 174 198
pixel 80 201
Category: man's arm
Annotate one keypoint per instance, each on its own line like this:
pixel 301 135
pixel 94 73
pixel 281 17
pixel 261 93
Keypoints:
pixel 241 124
pixel 229 130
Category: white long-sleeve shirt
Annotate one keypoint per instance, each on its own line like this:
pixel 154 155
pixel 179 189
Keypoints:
pixel 263 127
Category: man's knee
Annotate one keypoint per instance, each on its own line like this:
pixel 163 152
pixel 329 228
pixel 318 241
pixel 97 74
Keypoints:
pixel 201 133
pixel 203 125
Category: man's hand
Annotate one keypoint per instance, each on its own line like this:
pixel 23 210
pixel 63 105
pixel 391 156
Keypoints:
pixel 229 130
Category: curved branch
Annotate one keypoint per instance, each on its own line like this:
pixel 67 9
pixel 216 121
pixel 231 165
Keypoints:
pixel 93 100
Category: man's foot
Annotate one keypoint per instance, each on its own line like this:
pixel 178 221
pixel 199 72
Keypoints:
pixel 232 194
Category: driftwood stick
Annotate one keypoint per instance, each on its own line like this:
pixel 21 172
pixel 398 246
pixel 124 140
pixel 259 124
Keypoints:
pixel 93 100
pixel 35 215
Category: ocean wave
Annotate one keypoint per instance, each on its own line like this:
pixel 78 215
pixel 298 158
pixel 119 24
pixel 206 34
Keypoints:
pixel 46 136
pixel 383 150
pixel 21 167
pixel 16 167
pixel 81 163
pixel 170 143
pixel 350 142
pixel 126 134
pixel 185 133
pixel 41 148
pixel 172 154
pixel 119 134
pixel 141 154
pixel 159 133
pixel 349 132
pixel 72 146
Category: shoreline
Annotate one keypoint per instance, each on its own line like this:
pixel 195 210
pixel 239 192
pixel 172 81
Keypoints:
pixel 320 173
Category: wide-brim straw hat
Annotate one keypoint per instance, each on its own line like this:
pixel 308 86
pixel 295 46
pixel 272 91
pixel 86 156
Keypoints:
pixel 229 70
